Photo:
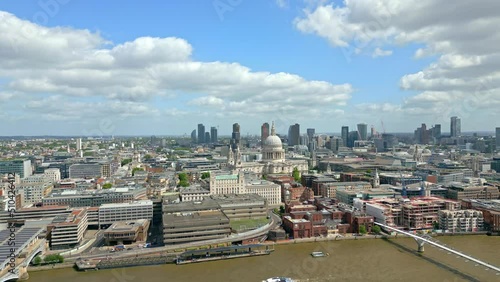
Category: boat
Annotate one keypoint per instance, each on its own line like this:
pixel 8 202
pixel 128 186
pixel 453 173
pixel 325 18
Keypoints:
pixel 278 279
pixel 319 254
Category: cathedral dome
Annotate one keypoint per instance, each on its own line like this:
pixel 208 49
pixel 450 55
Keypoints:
pixel 272 142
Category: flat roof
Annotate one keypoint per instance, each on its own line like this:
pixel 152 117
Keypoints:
pixel 133 203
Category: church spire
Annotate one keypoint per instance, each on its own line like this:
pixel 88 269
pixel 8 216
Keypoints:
pixel 273 130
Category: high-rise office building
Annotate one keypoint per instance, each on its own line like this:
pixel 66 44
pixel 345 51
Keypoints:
pixel 201 133
pixel 193 136
pixel 264 132
pixel 213 135
pixel 352 138
pixel 207 137
pixel 363 131
pixel 21 167
pixel 310 133
pixel 455 127
pixel 497 136
pixel 236 137
pixel 436 131
pixel 78 144
pixel 345 135
pixel 294 135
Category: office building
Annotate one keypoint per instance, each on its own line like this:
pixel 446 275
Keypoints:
pixel 193 136
pixel 455 127
pixel 345 135
pixel 497 138
pixel 266 189
pixel 79 144
pixel 94 198
pixel 53 174
pixel 310 134
pixel 207 137
pixel 85 171
pixel 66 231
pixel 264 131
pixel 126 232
pixel 34 188
pixel 213 135
pixel 110 213
pixel 201 133
pixel 21 167
pixel 227 183
pixel 362 131
pixel 294 135
pixel 187 227
pixel 236 137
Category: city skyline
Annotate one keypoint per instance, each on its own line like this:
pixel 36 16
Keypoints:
pixel 99 69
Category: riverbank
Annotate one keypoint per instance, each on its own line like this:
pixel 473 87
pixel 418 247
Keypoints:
pixel 71 264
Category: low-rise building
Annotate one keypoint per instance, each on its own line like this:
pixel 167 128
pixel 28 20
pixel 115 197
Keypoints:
pixel 193 193
pixel 127 232
pixel 242 206
pixel 187 227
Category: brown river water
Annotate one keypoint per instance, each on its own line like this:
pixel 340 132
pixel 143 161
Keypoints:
pixel 348 260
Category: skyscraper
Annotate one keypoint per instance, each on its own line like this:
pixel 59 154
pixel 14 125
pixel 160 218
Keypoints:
pixel 264 131
pixel 201 133
pixel 497 136
pixel 193 136
pixel 310 133
pixel 345 135
pixel 455 127
pixel 207 137
pixel 78 144
pixel 363 131
pixel 294 135
pixel 213 135
pixel 235 137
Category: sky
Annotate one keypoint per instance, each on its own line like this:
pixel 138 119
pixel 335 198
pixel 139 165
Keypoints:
pixel 75 67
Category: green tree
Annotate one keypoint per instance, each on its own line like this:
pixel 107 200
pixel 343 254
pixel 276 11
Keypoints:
pixel 282 210
pixel 183 180
pixel 37 260
pixel 436 225
pixel 88 154
pixel 362 229
pixel 296 174
pixel 55 258
pixel 136 169
pixel 147 157
pixel 107 185
pixel 126 161
pixel 376 229
pixel 205 175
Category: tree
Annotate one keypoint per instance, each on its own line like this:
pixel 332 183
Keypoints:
pixel 183 180
pixel 296 174
pixel 136 169
pixel 55 258
pixel 107 185
pixel 362 229
pixel 436 225
pixel 147 157
pixel 205 175
pixel 37 260
pixel 376 229
pixel 282 210
pixel 126 161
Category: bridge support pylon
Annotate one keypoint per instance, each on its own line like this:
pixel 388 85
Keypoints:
pixel 420 245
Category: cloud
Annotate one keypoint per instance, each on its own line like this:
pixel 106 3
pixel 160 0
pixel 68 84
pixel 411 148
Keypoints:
pixel 463 80
pixel 381 53
pixel 75 68
pixel 282 3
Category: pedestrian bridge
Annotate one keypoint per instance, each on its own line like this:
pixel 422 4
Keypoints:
pixel 421 240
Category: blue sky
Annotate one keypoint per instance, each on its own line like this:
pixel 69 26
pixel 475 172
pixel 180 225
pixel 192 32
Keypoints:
pixel 75 67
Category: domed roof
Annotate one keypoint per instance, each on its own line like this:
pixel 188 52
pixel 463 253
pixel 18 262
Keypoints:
pixel 273 141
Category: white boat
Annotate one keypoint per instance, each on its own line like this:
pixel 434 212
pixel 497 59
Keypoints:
pixel 319 254
pixel 278 279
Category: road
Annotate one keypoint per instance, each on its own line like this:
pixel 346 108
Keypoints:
pixel 275 221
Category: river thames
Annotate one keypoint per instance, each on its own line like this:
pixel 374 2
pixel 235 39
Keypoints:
pixel 348 260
